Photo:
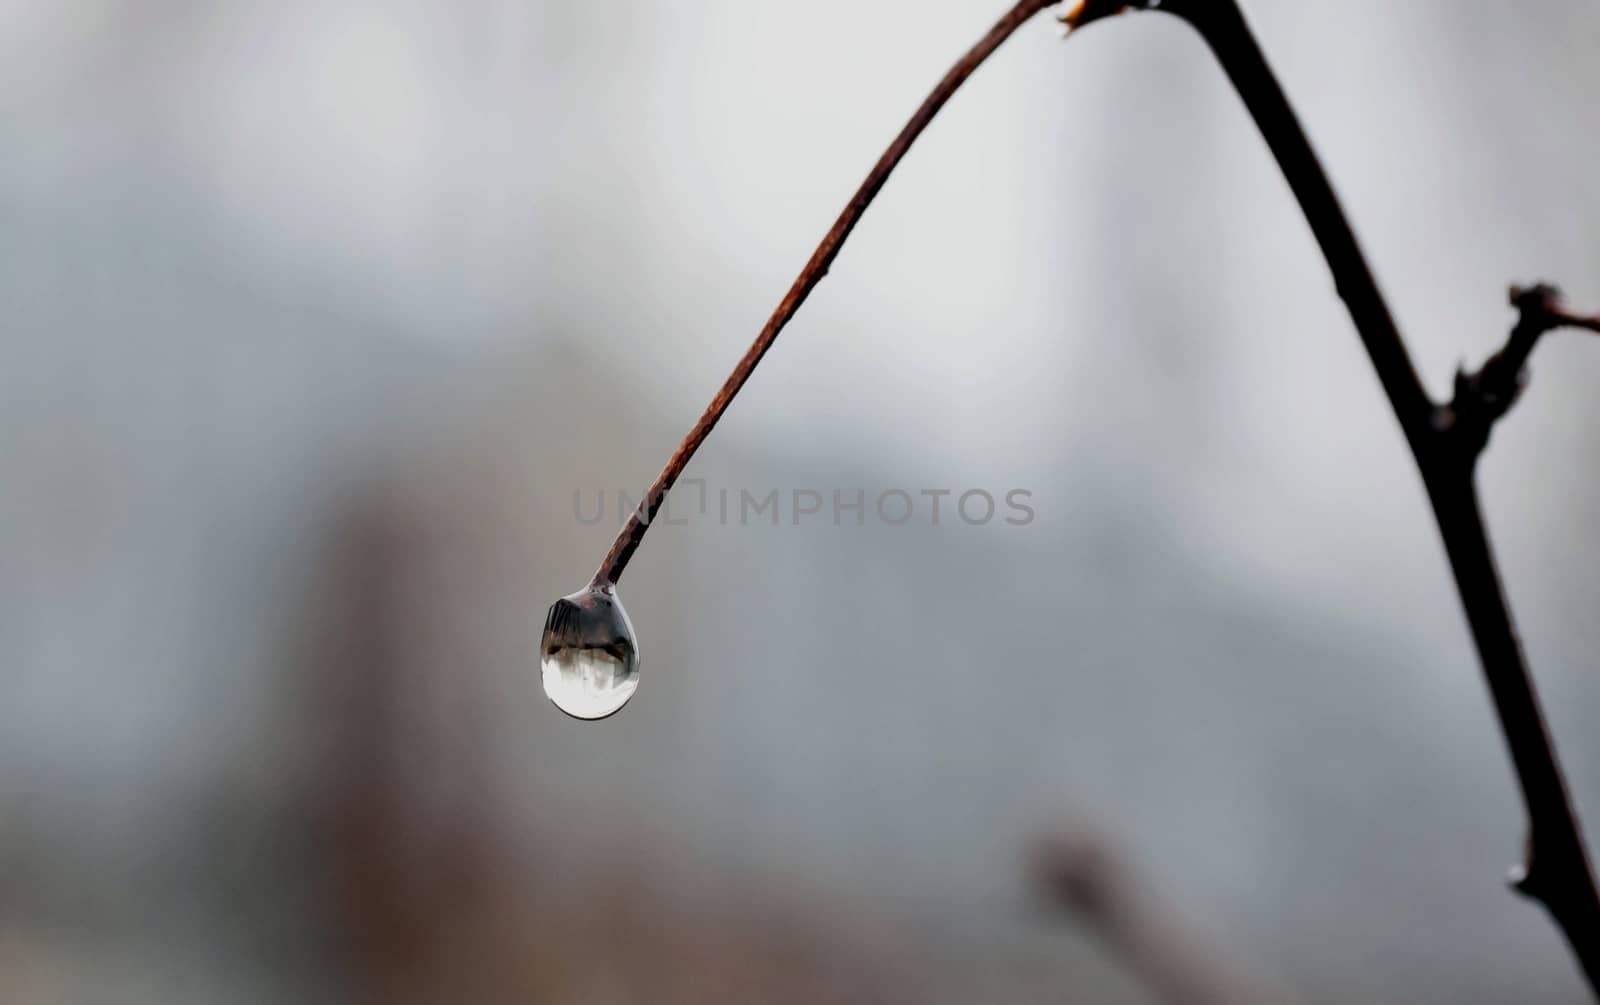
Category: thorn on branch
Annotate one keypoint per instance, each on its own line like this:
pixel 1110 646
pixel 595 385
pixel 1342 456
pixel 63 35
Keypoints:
pixel 1483 397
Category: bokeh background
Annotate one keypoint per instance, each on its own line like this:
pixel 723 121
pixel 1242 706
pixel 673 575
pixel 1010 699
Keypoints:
pixel 314 317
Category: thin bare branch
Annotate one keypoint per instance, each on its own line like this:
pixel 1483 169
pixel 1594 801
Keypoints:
pixel 638 522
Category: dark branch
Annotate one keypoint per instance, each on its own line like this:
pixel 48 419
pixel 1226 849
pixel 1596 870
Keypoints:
pixel 1222 25
pixel 1445 444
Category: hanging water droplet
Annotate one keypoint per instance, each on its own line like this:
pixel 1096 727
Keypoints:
pixel 588 656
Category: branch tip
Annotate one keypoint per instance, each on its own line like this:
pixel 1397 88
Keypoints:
pixel 1538 297
pixel 1542 307
pixel 1482 397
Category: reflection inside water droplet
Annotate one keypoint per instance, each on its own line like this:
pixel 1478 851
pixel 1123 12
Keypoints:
pixel 588 656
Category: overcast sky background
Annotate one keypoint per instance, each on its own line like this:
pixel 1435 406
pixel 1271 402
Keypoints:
pixel 265 264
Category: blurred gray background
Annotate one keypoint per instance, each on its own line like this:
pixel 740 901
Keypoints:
pixel 313 318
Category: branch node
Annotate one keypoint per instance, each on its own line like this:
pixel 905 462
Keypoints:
pixel 1484 396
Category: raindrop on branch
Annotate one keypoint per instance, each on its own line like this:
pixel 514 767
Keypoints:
pixel 588 656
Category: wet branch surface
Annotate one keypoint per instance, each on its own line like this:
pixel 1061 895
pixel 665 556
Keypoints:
pixel 1446 439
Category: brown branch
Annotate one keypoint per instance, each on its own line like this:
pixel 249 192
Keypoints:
pixel 1445 442
pixel 1083 872
pixel 638 522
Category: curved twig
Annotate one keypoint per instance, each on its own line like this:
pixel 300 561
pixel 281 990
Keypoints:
pixel 1446 440
pixel 638 522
